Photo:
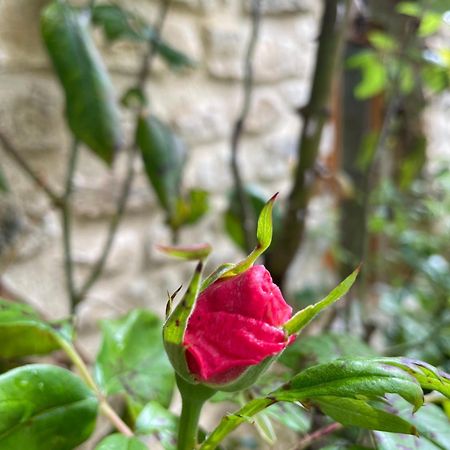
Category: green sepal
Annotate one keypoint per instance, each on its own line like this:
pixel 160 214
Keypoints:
pixel 264 232
pixel 188 252
pixel 175 326
pixel 303 317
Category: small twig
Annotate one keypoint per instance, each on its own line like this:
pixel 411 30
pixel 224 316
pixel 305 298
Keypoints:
pixel 112 230
pixel 317 435
pixel 23 164
pixel 84 373
pixel 144 73
pixel 152 47
pixel 244 206
pixel 66 223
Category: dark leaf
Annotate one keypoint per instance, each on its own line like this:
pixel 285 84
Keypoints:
pixel 44 407
pixel 164 157
pixel 91 109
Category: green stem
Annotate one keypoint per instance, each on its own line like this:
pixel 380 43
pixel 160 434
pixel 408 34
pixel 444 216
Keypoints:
pixel 193 398
pixel 105 407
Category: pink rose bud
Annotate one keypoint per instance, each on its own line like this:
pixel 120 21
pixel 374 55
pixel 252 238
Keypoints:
pixel 236 324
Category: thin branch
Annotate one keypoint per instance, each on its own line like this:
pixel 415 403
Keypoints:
pixel 314 116
pixel 142 77
pixel 66 224
pixel 112 230
pixel 244 206
pixel 9 148
pixel 152 47
pixel 317 435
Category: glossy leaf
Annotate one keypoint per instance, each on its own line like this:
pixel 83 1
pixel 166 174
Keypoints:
pixel 172 56
pixel 303 317
pixel 91 110
pixel 156 420
pixel 23 332
pixel 429 24
pixel 363 380
pixel 44 407
pixel 120 442
pixel 132 360
pixel 164 157
pixel 359 413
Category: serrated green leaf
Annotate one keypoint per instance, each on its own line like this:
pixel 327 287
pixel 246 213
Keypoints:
pixel 358 413
pixel 303 317
pixel 91 109
pixel 426 375
pixel 365 380
pixel 23 332
pixel 164 157
pixel 356 378
pixel 132 360
pixel 120 442
pixel 154 419
pixel 44 407
pixel 194 252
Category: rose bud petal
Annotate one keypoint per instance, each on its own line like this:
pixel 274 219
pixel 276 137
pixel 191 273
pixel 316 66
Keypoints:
pixel 236 324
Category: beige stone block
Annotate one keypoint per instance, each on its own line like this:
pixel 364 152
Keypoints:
pixel 280 52
pixel 280 6
pixel 31 113
pixel 265 112
pixel 20 39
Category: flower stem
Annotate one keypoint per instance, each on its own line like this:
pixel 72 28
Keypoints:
pixel 193 398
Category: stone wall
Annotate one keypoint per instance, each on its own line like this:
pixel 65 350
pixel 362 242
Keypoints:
pixel 201 104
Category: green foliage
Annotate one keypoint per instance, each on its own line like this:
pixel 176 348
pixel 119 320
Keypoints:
pixel 325 347
pixel 132 361
pixel 430 421
pixel 191 208
pixel 374 74
pixel 120 442
pixel 158 421
pixel 91 109
pixel 23 333
pixel 118 23
pixel 44 407
pixel 303 317
pixel 164 157
pixel 232 219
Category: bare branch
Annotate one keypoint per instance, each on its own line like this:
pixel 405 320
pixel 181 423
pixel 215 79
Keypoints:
pixel 245 213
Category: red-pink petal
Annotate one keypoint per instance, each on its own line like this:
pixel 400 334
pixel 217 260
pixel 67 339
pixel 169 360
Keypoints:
pixel 221 344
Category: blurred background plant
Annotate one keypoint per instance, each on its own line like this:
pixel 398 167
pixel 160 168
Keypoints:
pixel 359 180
